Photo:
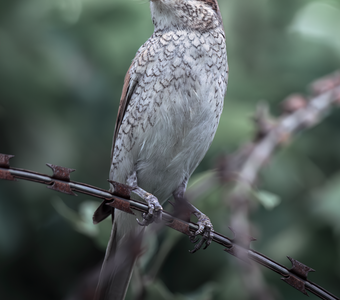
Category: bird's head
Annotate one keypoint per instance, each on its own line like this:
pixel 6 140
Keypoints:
pixel 201 15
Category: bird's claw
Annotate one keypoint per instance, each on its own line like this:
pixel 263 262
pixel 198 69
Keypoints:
pixel 154 213
pixel 206 229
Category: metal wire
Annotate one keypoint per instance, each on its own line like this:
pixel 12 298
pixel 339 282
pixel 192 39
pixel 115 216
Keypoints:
pixel 60 181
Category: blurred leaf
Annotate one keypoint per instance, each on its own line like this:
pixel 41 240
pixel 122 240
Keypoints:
pixel 267 199
pixel 319 19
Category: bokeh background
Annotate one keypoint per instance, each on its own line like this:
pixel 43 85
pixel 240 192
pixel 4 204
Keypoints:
pixel 62 65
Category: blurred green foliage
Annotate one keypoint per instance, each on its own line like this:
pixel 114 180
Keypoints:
pixel 62 65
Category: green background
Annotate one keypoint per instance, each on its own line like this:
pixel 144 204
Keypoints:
pixel 62 65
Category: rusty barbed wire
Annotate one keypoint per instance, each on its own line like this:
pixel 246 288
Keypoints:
pixel 296 276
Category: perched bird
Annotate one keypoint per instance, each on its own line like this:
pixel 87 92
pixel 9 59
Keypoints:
pixel 170 107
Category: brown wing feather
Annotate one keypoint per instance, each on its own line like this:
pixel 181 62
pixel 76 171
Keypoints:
pixel 124 102
pixel 103 211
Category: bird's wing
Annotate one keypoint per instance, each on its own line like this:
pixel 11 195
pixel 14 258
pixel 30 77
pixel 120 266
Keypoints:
pixel 123 104
pixel 103 211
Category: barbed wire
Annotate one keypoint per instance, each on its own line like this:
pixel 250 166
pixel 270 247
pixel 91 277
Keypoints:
pixel 120 199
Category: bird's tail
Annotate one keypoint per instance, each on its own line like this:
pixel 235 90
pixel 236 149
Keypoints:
pixel 122 251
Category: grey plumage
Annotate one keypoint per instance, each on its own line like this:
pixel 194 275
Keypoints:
pixel 170 108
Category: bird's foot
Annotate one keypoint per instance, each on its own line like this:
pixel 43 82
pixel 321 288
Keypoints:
pixel 205 228
pixel 154 213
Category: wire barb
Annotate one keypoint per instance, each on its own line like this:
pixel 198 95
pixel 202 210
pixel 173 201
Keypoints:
pixel 4 163
pixel 298 278
pixel 62 175
pixel 121 190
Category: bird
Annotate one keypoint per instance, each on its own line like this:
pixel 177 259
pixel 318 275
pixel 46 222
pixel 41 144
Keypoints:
pixel 170 107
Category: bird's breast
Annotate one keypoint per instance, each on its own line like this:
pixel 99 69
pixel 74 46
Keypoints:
pixel 174 109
